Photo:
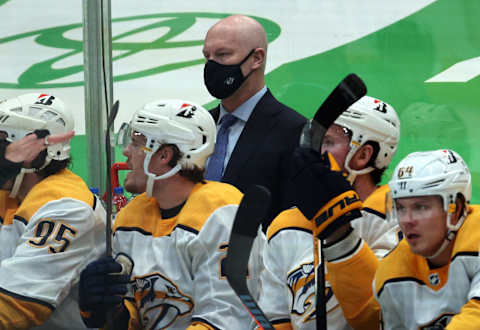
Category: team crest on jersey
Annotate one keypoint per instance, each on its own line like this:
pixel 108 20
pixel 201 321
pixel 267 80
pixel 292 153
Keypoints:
pixel 439 323
pixel 301 282
pixel 160 301
pixel 434 279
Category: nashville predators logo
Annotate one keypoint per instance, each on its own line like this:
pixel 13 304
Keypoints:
pixel 301 283
pixel 160 301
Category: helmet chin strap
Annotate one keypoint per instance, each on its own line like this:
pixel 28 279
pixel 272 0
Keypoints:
pixel 352 174
pixel 152 177
pixel 452 231
pixel 19 178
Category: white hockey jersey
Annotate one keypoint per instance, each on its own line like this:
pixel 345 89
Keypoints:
pixel 46 242
pixel 413 296
pixel 177 278
pixel 288 293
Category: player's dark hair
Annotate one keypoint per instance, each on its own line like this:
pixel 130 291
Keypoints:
pixel 54 167
pixel 194 174
pixel 376 174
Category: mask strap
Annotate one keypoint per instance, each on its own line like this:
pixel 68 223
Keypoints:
pixel 246 58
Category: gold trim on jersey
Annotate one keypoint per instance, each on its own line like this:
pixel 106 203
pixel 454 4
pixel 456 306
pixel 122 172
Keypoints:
pixel 376 200
pixel 16 313
pixel 291 218
pixel 403 265
pixel 143 212
pixel 8 207
pixel 64 184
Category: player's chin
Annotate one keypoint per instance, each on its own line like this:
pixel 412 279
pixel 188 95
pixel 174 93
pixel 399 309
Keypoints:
pixel 133 187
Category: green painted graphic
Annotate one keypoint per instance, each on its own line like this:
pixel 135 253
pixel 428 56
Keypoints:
pixel 39 74
pixel 426 69
pixel 395 62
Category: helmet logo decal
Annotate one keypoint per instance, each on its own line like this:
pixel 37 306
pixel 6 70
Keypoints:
pixel 405 172
pixel 45 99
pixel 188 112
pixel 451 157
pixel 382 107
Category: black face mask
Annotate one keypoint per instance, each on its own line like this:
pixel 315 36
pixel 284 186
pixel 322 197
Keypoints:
pixel 223 80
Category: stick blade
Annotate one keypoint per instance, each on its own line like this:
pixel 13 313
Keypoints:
pixel 251 212
pixel 350 90
pixel 347 92
pixel 113 114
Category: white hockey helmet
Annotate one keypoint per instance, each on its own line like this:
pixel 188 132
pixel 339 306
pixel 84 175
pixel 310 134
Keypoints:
pixel 370 119
pixel 26 113
pixel 183 123
pixel 440 172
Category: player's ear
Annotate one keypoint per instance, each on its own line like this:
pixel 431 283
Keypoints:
pixel 362 157
pixel 162 157
pixel 459 205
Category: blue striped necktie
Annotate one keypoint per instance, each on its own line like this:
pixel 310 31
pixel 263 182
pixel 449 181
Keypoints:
pixel 217 160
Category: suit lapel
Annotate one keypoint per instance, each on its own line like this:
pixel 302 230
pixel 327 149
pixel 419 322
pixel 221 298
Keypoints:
pixel 261 120
pixel 215 112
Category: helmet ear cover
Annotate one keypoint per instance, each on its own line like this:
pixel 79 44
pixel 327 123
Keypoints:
pixel 372 121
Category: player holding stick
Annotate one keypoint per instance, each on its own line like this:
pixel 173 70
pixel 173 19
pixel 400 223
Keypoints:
pixel 176 231
pixel 363 141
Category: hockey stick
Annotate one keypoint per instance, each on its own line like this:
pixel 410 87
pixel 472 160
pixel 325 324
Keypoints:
pixel 347 92
pixel 250 214
pixel 108 148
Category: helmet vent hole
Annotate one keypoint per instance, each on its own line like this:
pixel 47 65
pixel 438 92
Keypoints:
pixel 3 118
pixel 188 156
pixel 47 115
pixel 204 139
pixel 16 109
pixel 61 122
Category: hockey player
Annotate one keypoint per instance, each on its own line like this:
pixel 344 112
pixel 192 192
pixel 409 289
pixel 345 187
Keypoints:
pixel 363 141
pixel 431 279
pixel 176 231
pixel 56 227
pixel 13 154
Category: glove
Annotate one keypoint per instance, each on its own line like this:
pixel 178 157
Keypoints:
pixel 101 290
pixel 8 169
pixel 322 193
